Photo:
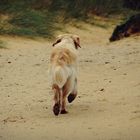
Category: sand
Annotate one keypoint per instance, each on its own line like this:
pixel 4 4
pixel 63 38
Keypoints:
pixel 108 103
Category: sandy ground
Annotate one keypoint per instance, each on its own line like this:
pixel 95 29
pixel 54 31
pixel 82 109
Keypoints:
pixel 108 102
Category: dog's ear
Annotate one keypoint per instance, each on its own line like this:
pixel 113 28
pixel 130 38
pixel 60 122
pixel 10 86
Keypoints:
pixel 56 42
pixel 58 39
pixel 76 40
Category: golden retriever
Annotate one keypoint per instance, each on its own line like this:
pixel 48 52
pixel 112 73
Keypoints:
pixel 63 71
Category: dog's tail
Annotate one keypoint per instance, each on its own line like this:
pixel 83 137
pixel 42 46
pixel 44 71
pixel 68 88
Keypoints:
pixel 59 76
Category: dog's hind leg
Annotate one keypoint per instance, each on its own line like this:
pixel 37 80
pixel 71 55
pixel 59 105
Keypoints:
pixel 63 110
pixel 65 91
pixel 69 87
pixel 73 94
pixel 57 99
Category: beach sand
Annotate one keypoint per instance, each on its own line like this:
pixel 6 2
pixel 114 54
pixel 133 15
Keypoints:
pixel 108 103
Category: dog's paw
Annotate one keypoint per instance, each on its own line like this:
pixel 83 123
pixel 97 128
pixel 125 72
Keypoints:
pixel 56 109
pixel 71 97
pixel 64 111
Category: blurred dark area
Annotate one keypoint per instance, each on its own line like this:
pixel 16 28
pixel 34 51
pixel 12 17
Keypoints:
pixel 132 4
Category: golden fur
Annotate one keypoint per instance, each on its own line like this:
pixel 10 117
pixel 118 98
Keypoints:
pixel 62 56
pixel 63 70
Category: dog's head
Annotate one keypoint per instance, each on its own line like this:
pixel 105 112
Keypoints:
pixel 119 32
pixel 68 37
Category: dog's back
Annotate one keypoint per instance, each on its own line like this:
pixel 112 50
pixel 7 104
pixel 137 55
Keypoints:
pixel 63 63
pixel 62 56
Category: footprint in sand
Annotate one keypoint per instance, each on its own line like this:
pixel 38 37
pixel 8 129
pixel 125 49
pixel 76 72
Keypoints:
pixel 137 115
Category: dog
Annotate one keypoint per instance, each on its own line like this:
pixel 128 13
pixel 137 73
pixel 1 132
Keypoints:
pixel 131 26
pixel 63 71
